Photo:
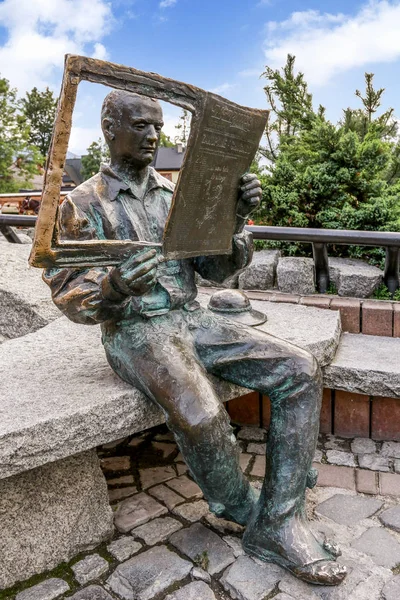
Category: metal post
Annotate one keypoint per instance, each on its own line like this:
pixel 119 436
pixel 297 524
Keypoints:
pixel 392 263
pixel 10 234
pixel 321 265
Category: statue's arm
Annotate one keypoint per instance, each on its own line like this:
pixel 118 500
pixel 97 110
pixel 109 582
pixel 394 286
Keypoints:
pixel 219 268
pixel 83 295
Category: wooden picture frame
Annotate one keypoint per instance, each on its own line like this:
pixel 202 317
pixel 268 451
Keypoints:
pixel 211 116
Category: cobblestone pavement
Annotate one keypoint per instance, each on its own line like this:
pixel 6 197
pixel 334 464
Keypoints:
pixel 168 546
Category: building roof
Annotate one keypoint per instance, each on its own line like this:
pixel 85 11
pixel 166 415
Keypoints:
pixel 72 168
pixel 168 159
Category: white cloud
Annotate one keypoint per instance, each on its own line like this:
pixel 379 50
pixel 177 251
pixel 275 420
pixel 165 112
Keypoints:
pixel 82 137
pixel 41 32
pixel 167 3
pixel 328 44
pixel 100 51
pixel 223 88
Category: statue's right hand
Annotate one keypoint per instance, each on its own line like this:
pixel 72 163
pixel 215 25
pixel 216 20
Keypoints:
pixel 136 275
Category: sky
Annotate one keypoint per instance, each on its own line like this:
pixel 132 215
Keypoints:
pixel 219 45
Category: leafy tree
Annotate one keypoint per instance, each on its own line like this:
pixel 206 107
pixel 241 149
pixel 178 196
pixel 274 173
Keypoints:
pixel 165 141
pixel 39 110
pixel 318 174
pixel 97 153
pixel 291 107
pixel 183 127
pixel 18 159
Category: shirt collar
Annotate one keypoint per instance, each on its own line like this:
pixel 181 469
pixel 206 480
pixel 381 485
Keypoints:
pixel 115 184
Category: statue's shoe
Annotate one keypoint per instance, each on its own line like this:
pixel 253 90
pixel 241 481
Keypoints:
pixel 319 572
pixel 291 544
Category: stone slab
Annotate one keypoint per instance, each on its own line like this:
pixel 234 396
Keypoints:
pixel 24 297
pixel 46 590
pixel 123 480
pixel 192 511
pixel 347 510
pixel 366 364
pixel 204 547
pixel 198 573
pixel 342 459
pixel 390 450
pixel 244 461
pixel 121 493
pixel 252 434
pixel 71 400
pixel 185 487
pixel 166 495
pixel 261 273
pixel 123 548
pixel 165 449
pixel 248 580
pixel 115 464
pixel 223 525
pixel 68 401
pixel 90 568
pixel 143 577
pixel 389 484
pixel 314 329
pixel 157 530
pixel 391 518
pixel 136 511
pixel 391 591
pixel 295 275
pixel 381 545
pixel 363 446
pixel 155 475
pixel 374 462
pixel 198 590
pixel 258 469
pixel 60 510
pixel 236 545
pixel 354 278
pixel 256 448
pixel 92 592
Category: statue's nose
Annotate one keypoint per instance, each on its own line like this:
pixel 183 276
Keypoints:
pixel 151 134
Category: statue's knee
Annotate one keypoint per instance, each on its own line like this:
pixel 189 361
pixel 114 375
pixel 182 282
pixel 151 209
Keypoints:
pixel 308 366
pixel 199 422
pixel 216 424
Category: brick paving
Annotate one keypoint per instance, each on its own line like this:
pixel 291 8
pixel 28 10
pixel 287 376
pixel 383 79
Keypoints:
pixel 168 546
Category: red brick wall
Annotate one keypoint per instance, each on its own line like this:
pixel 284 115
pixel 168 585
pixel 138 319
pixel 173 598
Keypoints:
pixel 343 413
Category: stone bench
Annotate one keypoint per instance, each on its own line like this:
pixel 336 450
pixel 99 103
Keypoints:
pixel 59 400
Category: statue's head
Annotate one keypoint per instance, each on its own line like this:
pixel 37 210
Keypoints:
pixel 131 125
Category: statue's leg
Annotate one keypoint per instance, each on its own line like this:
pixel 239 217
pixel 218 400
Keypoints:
pixel 278 530
pixel 158 357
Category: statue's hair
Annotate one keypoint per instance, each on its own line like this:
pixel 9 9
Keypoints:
pixel 114 101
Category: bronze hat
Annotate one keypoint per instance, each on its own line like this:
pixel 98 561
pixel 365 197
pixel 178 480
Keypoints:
pixel 235 305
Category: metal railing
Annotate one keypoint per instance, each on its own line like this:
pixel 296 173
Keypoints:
pixel 319 238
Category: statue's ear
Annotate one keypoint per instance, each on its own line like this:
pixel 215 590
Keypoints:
pixel 108 128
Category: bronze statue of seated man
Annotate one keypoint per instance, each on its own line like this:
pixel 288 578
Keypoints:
pixel 158 339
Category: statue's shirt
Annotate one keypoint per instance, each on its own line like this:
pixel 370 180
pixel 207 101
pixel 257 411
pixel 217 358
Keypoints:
pixel 108 207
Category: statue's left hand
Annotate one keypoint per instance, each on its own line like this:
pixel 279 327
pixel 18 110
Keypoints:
pixel 249 196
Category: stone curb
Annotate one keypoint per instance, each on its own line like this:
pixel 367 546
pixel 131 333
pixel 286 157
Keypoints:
pixel 371 317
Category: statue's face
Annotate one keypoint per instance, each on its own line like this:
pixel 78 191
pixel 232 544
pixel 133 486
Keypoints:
pixel 137 133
